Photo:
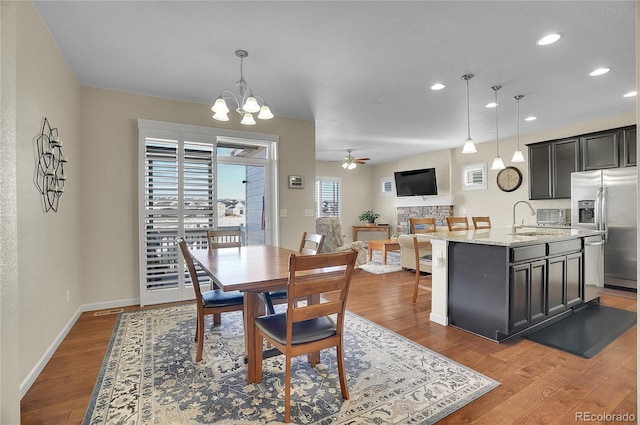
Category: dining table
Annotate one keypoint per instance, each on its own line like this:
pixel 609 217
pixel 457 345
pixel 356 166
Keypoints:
pixel 250 269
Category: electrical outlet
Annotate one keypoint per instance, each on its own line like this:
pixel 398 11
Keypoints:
pixel 283 213
pixel 308 212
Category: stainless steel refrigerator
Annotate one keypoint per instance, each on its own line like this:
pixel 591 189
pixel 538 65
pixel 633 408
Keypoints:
pixel 607 200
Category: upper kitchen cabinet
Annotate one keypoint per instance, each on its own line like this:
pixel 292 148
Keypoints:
pixel 550 168
pixel 609 149
pixel 629 146
pixel 601 150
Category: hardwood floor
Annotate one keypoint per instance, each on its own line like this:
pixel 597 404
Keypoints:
pixel 538 384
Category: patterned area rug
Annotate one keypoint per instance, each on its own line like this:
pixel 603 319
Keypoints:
pixel 375 266
pixel 149 377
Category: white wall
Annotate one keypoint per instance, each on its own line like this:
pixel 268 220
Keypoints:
pixel 48 243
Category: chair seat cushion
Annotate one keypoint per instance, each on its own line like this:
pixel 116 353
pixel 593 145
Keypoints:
pixel 275 326
pixel 277 295
pixel 425 257
pixel 219 298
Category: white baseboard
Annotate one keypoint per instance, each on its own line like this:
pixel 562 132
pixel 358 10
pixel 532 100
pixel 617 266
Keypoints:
pixel 37 369
pixel 441 320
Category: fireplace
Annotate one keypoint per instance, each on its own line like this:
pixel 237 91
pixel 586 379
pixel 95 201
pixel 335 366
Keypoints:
pixel 438 207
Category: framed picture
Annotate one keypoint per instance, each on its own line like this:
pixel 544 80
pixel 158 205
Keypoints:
pixel 296 182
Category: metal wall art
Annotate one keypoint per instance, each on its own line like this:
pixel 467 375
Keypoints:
pixel 50 177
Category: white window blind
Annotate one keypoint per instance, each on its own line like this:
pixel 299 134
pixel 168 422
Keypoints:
pixel 327 195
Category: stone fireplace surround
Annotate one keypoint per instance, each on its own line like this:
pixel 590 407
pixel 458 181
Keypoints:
pixel 437 207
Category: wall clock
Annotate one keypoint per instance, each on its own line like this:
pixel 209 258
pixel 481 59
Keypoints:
pixel 509 179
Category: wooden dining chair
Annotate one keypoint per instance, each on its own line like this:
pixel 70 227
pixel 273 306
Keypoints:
pixel 226 238
pixel 311 244
pixel 481 222
pixel 308 327
pixel 457 223
pixel 213 302
pixel 422 225
pixel 423 263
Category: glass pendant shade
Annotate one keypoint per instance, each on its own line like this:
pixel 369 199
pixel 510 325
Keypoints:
pixel 220 106
pixel 265 113
pixel 352 165
pixel 247 119
pixel 469 147
pixel 251 105
pixel 517 156
pixel 221 116
pixel 498 164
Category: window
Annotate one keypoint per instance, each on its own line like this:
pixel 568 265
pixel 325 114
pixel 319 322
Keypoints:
pixel 474 177
pixel 386 186
pixel 185 178
pixel 327 195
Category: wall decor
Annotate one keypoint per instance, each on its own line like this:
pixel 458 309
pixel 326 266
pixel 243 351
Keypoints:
pixel 50 177
pixel 296 182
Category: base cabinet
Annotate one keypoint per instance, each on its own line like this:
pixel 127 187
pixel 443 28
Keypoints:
pixel 527 304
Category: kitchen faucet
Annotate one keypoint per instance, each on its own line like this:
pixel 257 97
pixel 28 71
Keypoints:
pixel 533 212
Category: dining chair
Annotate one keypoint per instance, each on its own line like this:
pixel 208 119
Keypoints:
pixel 457 223
pixel 226 238
pixel 422 225
pixel 213 302
pixel 307 328
pixel 311 244
pixel 423 263
pixel 481 222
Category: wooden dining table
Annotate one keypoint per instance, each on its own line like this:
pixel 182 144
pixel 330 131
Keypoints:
pixel 250 269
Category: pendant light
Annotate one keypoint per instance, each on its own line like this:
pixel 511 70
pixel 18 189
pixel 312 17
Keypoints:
pixel 469 146
pixel 517 155
pixel 498 164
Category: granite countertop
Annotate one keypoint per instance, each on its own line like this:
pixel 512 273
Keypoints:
pixel 507 237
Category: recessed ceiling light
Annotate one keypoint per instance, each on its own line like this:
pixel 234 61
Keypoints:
pixel 491 105
pixel 531 118
pixel 599 71
pixel 438 86
pixel 548 39
pixel 631 94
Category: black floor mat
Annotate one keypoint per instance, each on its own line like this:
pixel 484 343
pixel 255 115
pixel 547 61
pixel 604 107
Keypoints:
pixel 586 331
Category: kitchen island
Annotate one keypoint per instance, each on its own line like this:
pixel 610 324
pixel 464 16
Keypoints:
pixel 498 283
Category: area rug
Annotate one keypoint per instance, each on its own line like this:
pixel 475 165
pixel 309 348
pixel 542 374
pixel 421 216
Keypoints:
pixel 375 265
pixel 149 377
pixel 586 332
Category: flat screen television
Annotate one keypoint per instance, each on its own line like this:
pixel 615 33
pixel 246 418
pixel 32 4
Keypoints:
pixel 416 182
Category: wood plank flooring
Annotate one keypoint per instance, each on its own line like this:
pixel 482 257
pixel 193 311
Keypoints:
pixel 539 385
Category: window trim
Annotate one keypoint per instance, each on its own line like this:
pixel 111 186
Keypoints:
pixel 317 198
pixel 473 168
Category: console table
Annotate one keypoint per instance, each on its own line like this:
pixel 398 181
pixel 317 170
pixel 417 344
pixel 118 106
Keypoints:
pixel 371 228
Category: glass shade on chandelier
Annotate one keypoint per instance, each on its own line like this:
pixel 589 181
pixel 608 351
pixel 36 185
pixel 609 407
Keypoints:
pixel 247 103
pixel 349 165
pixel 498 164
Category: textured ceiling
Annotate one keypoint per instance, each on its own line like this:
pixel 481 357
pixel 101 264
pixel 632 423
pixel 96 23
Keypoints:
pixel 362 70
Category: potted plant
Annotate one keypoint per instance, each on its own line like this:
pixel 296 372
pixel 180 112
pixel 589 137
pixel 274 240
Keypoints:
pixel 369 216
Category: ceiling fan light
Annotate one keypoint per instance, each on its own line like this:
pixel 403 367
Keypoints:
pixel 517 156
pixel 220 106
pixel 345 165
pixel 265 113
pixel 251 105
pixel 247 119
pixel 351 166
pixel 221 116
pixel 469 147
pixel 498 164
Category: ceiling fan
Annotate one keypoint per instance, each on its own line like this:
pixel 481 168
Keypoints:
pixel 349 162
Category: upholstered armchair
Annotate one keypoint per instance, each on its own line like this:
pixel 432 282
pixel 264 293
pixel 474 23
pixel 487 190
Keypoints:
pixel 334 240
pixel 407 253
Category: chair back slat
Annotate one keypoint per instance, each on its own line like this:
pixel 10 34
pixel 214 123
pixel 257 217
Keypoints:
pixel 422 225
pixel 457 223
pixel 229 238
pixel 311 243
pixel 308 279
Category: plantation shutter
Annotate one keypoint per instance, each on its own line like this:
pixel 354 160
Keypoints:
pixel 161 213
pixel 199 205
pixel 327 195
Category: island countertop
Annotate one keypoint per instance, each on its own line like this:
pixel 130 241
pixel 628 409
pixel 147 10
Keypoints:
pixel 507 237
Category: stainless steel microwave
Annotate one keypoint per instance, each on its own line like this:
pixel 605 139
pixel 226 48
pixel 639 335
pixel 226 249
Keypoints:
pixel 555 216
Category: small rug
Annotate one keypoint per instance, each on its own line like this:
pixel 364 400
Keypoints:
pixel 586 332
pixel 375 266
pixel 149 377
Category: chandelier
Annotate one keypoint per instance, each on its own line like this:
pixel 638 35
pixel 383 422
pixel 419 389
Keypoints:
pixel 498 164
pixel 246 102
pixel 469 146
